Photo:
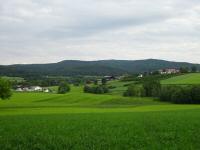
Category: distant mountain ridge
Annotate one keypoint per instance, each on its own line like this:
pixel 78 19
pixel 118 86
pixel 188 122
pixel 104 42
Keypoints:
pixel 101 67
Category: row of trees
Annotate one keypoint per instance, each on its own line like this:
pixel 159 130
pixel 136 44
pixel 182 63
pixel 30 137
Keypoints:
pixel 47 81
pixel 150 88
pixel 181 94
pixel 99 89
pixel 186 69
pixel 176 94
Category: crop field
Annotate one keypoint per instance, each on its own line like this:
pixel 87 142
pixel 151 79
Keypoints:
pixel 80 120
pixel 192 78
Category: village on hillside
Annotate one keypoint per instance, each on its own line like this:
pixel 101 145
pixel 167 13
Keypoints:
pixel 37 88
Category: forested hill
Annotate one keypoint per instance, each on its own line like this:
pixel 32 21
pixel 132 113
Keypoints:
pixel 102 67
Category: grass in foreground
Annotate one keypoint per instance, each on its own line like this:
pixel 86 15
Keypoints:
pixel 86 121
pixel 120 130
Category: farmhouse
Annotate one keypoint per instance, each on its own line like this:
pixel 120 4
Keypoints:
pixel 140 76
pixel 46 90
pixel 36 88
pixel 108 78
pixel 32 89
pixel 169 71
pixel 19 89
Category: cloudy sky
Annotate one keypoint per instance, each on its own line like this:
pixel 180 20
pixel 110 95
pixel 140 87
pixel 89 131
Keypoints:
pixel 41 31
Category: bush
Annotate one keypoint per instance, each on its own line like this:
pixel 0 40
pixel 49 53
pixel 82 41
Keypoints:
pixel 96 89
pixel 152 88
pixel 111 87
pixel 195 93
pixel 105 89
pixel 104 81
pixel 133 90
pixel 166 92
pixel 63 88
pixel 87 89
pixel 5 89
pixel 181 95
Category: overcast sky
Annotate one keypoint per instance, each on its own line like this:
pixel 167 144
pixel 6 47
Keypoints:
pixel 41 31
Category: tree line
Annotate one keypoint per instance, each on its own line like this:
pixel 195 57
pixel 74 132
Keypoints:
pixel 188 94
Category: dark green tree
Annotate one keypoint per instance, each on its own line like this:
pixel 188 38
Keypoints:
pixel 63 88
pixel 155 73
pixel 151 88
pixel 131 91
pixel 99 90
pixel 184 70
pixel 96 82
pixel 195 93
pixel 104 81
pixel 5 89
pixel 194 69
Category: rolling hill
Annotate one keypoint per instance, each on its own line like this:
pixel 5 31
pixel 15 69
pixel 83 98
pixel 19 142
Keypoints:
pixel 102 67
pixel 192 78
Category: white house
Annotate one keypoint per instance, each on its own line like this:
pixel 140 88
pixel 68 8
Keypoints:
pixel 25 89
pixel 140 76
pixel 19 90
pixel 36 88
pixel 169 71
pixel 32 89
pixel 46 90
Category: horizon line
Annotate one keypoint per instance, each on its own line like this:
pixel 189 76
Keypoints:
pixel 99 60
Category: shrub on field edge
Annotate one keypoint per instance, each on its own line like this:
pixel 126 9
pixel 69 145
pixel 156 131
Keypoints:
pixel 5 89
pixel 181 94
pixel 63 88
pixel 152 88
pixel 133 90
pixel 99 89
pixel 195 93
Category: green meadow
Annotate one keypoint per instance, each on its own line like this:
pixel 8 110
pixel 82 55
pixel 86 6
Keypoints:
pixel 191 78
pixel 78 120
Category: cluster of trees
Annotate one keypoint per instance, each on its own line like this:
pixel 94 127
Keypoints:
pixel 63 88
pixel 97 89
pixel 5 89
pixel 175 94
pixel 149 88
pixel 181 94
pixel 186 69
pixel 134 90
pixel 46 81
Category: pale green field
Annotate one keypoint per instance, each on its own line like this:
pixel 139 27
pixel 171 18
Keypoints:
pixel 192 78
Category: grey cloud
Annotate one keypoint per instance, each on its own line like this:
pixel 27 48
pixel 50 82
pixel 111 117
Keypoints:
pixel 35 30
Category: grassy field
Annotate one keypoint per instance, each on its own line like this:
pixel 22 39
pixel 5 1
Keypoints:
pixel 86 121
pixel 13 79
pixel 192 78
pixel 120 87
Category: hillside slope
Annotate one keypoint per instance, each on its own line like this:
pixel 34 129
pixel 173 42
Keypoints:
pixel 192 78
pixel 102 67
